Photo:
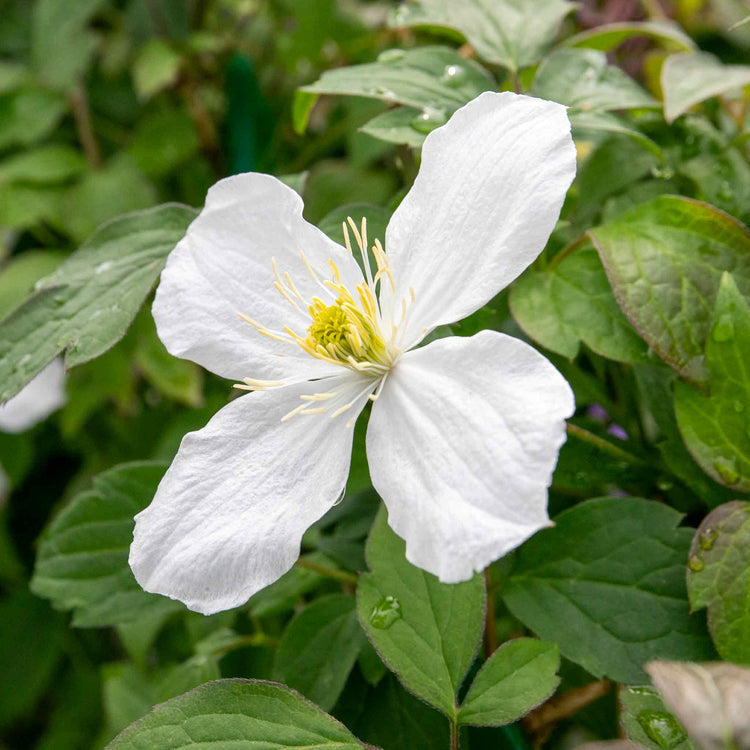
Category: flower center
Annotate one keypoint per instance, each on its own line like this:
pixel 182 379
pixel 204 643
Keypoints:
pixel 346 329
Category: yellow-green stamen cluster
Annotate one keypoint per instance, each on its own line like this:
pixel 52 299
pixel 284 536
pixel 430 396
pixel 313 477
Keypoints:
pixel 347 330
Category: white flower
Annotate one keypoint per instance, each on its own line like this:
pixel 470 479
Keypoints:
pixel 464 432
pixel 36 401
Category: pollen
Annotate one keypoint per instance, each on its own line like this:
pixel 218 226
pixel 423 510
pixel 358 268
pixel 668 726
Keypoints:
pixel 346 326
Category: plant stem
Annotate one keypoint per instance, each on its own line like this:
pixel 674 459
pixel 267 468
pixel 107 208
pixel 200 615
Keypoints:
pixel 547 715
pixel 82 116
pixel 326 572
pixel 604 445
pixel 455 735
pixel 569 249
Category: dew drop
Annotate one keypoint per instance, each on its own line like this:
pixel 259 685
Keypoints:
pixel 724 328
pixel 59 300
pixel 104 267
pixel 726 468
pixel 385 612
pixel 391 55
pixel 696 564
pixel 427 120
pixel 453 76
pixel 662 728
pixel 24 359
pixel 707 538
pixel 664 483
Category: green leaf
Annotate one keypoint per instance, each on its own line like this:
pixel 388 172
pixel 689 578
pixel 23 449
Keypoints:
pixel 282 595
pixel 512 33
pixel 607 122
pixel 302 106
pixel 118 188
pixel 647 721
pixel 12 76
pixel 607 585
pixel 656 394
pixel 582 79
pixel 31 643
pixel 176 378
pixel 664 260
pixel 28 115
pixel 435 80
pixel 229 713
pixel 689 78
pixel 45 164
pixel 156 67
pixel 389 717
pixel 397 125
pixel 716 428
pixel 163 142
pixel 127 694
pixel 611 35
pixel 319 648
pixel 82 562
pixel 425 631
pixel 519 676
pixel 86 306
pixel 571 301
pixel 61 45
pixel 376 216
pixel 719 578
pixel 183 677
pixel 18 276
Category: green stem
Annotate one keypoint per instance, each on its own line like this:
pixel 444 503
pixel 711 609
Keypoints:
pixel 326 572
pixel 455 735
pixel 569 249
pixel 604 445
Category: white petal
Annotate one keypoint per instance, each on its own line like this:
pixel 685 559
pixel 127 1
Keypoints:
pixel 36 401
pixel 487 196
pixel 229 514
pixel 462 444
pixel 223 267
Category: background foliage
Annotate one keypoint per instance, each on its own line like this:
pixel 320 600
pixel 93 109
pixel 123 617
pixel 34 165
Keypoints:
pixel 122 113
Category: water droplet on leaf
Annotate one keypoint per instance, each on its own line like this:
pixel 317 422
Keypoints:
pixel 385 612
pixel 427 120
pixel 724 329
pixel 104 267
pixel 453 76
pixel 696 564
pixel 662 728
pixel 664 484
pixel 386 93
pixel 726 468
pixel 707 538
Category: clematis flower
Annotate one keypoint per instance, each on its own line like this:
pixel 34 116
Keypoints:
pixel 464 432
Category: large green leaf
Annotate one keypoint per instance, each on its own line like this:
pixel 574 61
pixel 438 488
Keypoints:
pixel 520 675
pixel 719 578
pixel 607 584
pixel 397 125
pixel 571 301
pixel 689 78
pixel 512 33
pixel 87 304
pixel 230 714
pixel 82 562
pixel 45 164
pixel 610 35
pixel 427 632
pixel 582 79
pixel 716 428
pixel 435 80
pixel 664 260
pixel 319 648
